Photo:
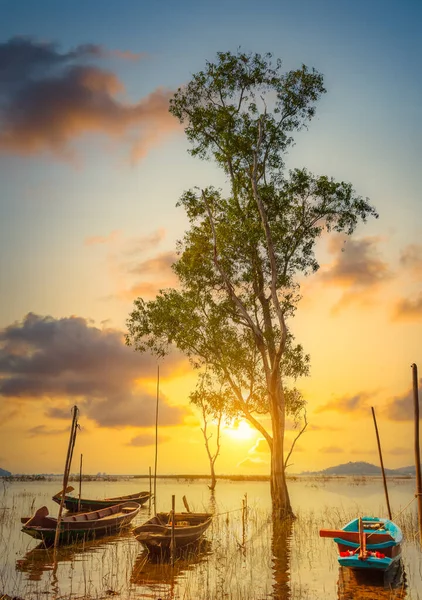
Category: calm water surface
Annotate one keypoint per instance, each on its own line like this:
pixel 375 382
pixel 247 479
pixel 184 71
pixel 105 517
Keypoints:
pixel 285 561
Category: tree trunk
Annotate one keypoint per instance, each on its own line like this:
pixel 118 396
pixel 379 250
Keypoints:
pixel 279 493
pixel 213 477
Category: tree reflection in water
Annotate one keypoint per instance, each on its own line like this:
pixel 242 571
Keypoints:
pixel 282 534
pixel 362 585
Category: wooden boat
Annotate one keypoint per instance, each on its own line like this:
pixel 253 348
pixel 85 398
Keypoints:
pixel 72 503
pixel 155 534
pixel 367 543
pixel 82 525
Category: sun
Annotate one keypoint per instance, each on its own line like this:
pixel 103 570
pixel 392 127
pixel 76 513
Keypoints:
pixel 240 430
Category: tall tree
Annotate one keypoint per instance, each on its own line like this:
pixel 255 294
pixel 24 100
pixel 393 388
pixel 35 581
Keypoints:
pixel 240 259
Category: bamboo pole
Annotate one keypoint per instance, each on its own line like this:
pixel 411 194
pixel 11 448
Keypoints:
pixel 417 448
pixel 156 441
pixel 243 521
pixel 172 540
pixel 185 502
pixel 382 465
pixel 150 489
pixel 80 484
pixel 69 455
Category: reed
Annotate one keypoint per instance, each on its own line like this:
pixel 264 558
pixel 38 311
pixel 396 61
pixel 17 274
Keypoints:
pixel 281 561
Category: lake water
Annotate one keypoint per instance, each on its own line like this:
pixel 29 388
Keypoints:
pixel 286 562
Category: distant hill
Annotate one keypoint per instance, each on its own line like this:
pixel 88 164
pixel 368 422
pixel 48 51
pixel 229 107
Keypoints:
pixel 4 473
pixel 362 468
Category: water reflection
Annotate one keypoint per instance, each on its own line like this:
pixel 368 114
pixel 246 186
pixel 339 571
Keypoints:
pixel 41 559
pixel 150 569
pixel 281 540
pixel 356 585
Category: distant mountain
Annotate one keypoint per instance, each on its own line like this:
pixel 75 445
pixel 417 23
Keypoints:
pixel 4 473
pixel 362 468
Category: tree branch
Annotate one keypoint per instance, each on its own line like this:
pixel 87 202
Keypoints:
pixel 296 438
pixel 252 325
pixel 271 255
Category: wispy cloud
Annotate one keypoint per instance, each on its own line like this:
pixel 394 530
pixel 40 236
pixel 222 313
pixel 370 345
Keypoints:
pixel 260 446
pixel 411 258
pixel 331 450
pixel 401 408
pixel 313 427
pixel 147 439
pixel 136 266
pixel 408 309
pixel 48 99
pixel 357 269
pixel 42 430
pixel 144 243
pixel 252 463
pixel 152 266
pixel 398 451
pixel 102 239
pixel 356 404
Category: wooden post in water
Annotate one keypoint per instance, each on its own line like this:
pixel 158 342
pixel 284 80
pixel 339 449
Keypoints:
pixel 150 489
pixel 172 541
pixel 185 502
pixel 417 448
pixel 72 439
pixel 382 465
pixel 80 484
pixel 156 441
pixel 244 518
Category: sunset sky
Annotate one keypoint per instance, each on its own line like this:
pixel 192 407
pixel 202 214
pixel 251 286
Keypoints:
pixel 91 167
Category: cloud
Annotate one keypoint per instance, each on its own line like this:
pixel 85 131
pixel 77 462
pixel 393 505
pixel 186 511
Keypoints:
pixel 401 408
pixel 8 413
pixel 69 359
pixel 331 450
pixel 399 451
pixel 357 269
pixel 411 258
pixel 147 439
pixel 356 404
pixel 102 239
pixel 253 463
pixel 48 99
pixel 42 430
pixel 144 243
pixel 157 264
pixel 312 427
pixel 261 446
pixel 408 309
pixel 132 273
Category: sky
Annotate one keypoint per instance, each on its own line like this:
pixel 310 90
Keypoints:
pixel 91 167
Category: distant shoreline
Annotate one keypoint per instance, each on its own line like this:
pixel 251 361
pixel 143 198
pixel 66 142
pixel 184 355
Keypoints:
pixel 186 477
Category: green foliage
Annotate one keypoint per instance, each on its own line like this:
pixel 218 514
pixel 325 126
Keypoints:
pixel 239 261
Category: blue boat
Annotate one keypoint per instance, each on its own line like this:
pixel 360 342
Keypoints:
pixel 367 543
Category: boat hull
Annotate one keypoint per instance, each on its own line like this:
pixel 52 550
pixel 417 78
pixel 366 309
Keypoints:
pixel 370 563
pixel 156 533
pixel 82 526
pixel 376 547
pixel 72 504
